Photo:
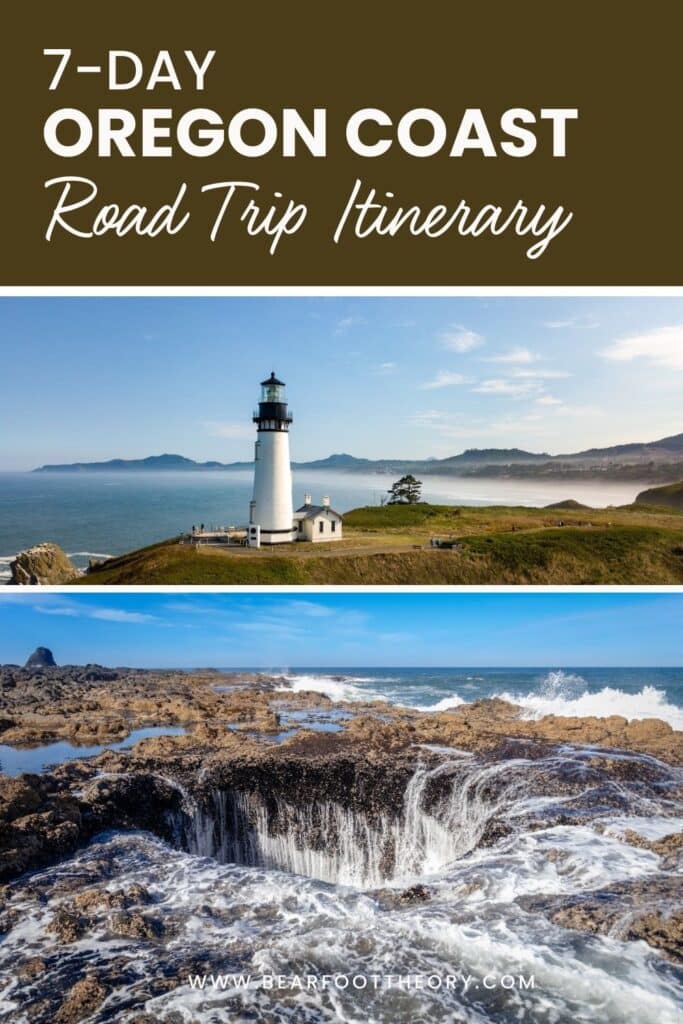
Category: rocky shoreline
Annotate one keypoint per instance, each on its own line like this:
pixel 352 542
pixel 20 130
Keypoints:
pixel 94 704
pixel 42 565
pixel 309 773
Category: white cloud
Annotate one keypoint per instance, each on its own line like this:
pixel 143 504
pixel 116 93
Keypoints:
pixel 72 613
pixel 454 428
pixel 117 615
pixel 297 607
pixel 444 379
pixel 548 400
pixel 579 323
pixel 662 346
pixel 515 355
pixel 229 430
pixel 347 322
pixel 270 627
pixel 541 374
pixel 428 418
pixel 582 412
pixel 505 386
pixel 77 610
pixel 386 368
pixel 459 339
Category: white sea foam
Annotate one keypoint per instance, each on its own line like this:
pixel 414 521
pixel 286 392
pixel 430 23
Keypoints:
pixel 558 693
pixel 653 828
pixel 87 554
pixel 649 702
pixel 443 705
pixel 567 694
pixel 338 687
pixel 267 915
pixel 274 923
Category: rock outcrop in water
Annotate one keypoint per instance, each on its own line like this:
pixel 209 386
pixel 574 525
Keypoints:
pixel 43 564
pixel 651 910
pixel 42 657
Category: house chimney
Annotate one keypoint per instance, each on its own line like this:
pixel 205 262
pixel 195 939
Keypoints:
pixel 308 499
pixel 326 502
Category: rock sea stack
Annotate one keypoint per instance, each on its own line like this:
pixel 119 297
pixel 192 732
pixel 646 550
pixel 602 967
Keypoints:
pixel 42 657
pixel 43 564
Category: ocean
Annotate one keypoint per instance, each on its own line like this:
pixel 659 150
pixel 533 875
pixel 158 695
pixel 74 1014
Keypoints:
pixel 631 692
pixel 463 930
pixel 96 514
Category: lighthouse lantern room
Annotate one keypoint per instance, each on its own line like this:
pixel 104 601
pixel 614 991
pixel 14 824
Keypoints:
pixel 271 514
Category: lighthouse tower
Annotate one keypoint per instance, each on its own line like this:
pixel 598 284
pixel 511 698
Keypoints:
pixel 271 515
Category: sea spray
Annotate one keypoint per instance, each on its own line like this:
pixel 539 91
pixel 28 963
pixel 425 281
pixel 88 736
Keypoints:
pixel 642 693
pixel 649 702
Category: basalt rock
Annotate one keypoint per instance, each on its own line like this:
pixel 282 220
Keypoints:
pixel 39 822
pixel 669 847
pixel 230 770
pixel 81 1001
pixel 42 657
pixel 44 817
pixel 92 704
pixel 650 909
pixel 41 565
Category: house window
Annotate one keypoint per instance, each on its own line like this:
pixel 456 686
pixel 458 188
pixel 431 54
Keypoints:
pixel 334 526
pixel 321 525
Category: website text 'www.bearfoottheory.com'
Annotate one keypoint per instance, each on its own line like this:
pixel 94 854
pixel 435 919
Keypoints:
pixel 457 982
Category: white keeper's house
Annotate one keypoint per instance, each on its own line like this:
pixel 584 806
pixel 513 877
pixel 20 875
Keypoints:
pixel 317 522
pixel 271 516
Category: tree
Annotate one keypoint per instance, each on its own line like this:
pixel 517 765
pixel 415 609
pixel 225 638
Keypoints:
pixel 406 491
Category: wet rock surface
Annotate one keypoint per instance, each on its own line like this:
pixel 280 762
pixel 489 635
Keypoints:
pixel 43 564
pixel 650 910
pixel 81 1001
pixel 249 782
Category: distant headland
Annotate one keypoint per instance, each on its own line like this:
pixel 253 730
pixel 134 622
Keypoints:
pixel 657 461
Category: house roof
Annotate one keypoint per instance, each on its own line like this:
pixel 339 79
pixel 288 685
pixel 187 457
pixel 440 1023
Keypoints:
pixel 311 511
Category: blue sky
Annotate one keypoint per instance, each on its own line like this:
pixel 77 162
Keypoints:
pixel 95 378
pixel 280 630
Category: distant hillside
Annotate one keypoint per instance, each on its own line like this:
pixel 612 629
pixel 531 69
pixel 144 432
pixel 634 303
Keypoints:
pixel 338 461
pixel 667 446
pixel 491 455
pixel 569 504
pixel 152 462
pixel 670 496
pixel 471 460
pixel 652 461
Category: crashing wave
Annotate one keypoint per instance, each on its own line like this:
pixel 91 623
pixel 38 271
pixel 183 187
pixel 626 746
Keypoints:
pixel 338 687
pixel 649 702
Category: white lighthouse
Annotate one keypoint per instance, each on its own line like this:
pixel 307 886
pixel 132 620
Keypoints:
pixel 271 514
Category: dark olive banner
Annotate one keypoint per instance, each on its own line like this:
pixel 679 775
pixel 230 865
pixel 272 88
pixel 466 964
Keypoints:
pixel 342 144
